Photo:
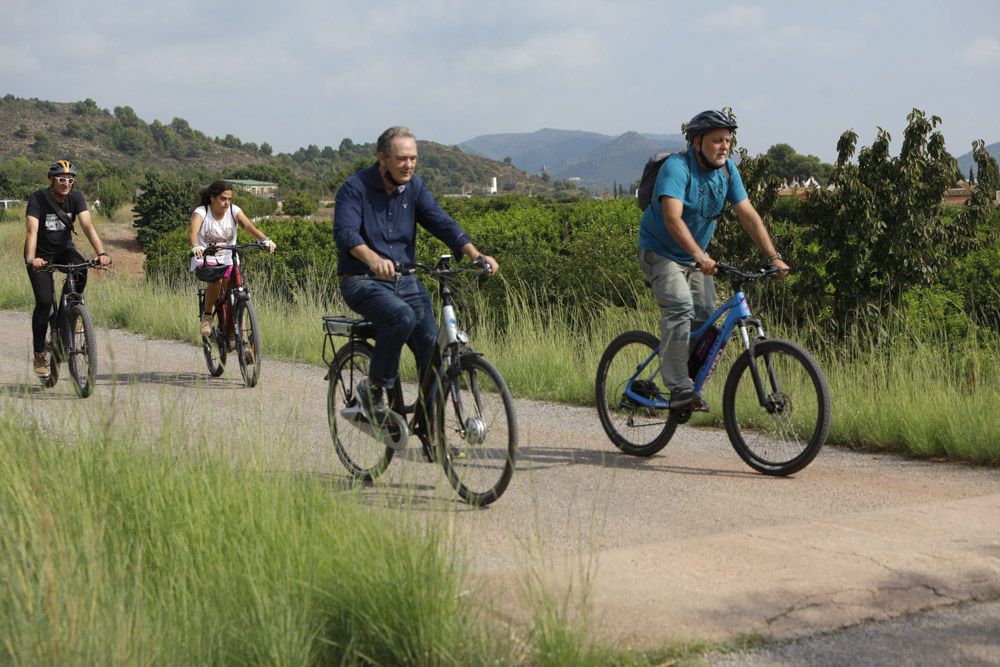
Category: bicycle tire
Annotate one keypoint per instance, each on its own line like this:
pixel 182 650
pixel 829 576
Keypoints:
pixel 364 456
pixel 81 353
pixel 785 439
pixel 52 350
pixel 476 430
pixel 248 342
pixel 214 346
pixel 634 429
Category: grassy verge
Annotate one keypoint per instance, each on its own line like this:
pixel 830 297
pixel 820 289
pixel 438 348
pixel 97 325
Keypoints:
pixel 113 554
pixel 903 393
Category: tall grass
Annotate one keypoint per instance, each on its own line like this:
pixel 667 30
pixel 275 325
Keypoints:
pixel 117 554
pixel 114 555
pixel 899 388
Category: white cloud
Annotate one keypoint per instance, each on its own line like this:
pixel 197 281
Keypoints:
pixel 983 51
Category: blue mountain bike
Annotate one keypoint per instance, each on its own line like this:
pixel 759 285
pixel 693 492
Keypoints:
pixel 775 404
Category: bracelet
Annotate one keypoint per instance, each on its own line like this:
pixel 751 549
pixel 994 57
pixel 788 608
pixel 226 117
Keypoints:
pixel 775 256
pixel 103 254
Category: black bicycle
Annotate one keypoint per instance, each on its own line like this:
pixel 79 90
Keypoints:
pixel 70 336
pixel 463 414
pixel 235 328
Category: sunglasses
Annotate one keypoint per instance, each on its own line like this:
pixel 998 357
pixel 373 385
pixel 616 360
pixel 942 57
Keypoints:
pixel 65 180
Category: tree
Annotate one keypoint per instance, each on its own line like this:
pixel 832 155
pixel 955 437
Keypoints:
pixel 299 204
pixel 131 140
pixel 265 149
pixel 166 203
pixel 786 165
pixel 880 230
pixel 127 117
pixel 113 193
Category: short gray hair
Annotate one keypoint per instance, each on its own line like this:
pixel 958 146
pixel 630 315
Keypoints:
pixel 384 144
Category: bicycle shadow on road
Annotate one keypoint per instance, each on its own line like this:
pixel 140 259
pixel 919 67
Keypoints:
pixel 169 378
pixel 541 458
pixel 394 494
pixel 34 391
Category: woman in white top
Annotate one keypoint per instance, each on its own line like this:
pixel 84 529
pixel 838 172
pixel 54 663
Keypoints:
pixel 214 222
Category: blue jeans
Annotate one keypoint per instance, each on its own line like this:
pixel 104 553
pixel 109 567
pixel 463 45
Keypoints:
pixel 402 312
pixel 687 299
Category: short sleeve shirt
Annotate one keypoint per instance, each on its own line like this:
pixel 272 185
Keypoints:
pixel 53 234
pixel 703 194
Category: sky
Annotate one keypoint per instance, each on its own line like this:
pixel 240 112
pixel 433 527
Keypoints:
pixel 298 72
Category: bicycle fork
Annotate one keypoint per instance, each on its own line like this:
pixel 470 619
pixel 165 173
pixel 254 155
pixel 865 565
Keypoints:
pixel 763 397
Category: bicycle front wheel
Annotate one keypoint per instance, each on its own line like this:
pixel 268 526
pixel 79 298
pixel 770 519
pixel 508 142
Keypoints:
pixel 364 455
pixel 785 434
pixel 248 342
pixel 82 350
pixel 214 346
pixel 476 430
pixel 635 429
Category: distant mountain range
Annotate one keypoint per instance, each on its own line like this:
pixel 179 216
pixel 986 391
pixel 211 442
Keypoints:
pixel 599 160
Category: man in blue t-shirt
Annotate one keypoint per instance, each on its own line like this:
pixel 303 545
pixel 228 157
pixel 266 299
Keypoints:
pixel 688 196
pixel 375 220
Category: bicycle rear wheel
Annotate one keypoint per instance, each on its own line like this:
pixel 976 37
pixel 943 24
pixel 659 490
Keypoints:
pixel 784 436
pixel 364 456
pixel 633 428
pixel 476 430
pixel 214 346
pixel 248 342
pixel 82 350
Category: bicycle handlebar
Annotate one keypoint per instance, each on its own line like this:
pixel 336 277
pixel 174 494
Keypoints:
pixel 66 268
pixel 443 270
pixel 748 276
pixel 213 249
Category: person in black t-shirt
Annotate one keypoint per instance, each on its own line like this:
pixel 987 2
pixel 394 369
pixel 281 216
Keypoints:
pixel 49 239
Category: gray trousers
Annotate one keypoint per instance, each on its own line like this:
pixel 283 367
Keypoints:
pixel 686 297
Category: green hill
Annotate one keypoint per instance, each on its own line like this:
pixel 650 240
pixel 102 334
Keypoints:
pixel 117 142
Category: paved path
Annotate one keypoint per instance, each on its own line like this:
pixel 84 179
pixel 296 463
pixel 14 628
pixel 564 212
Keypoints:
pixel 688 544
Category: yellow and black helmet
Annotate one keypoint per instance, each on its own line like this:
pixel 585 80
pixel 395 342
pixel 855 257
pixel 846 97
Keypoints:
pixel 62 167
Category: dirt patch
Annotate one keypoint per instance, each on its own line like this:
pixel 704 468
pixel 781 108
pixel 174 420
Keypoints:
pixel 120 242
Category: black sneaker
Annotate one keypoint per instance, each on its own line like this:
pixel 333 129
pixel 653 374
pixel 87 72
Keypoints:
pixel 681 398
pixel 371 401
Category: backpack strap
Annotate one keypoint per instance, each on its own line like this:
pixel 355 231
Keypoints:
pixel 58 209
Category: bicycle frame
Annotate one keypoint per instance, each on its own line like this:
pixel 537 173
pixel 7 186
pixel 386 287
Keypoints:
pixel 451 343
pixel 737 316
pixel 233 287
pixel 61 307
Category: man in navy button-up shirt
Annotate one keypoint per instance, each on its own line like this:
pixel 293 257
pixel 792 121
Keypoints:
pixel 375 226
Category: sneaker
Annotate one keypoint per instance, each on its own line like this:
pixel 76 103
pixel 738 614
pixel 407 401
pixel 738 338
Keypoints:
pixel 681 398
pixel 370 400
pixel 41 364
pixel 206 325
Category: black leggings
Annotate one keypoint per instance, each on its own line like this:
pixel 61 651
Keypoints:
pixel 41 284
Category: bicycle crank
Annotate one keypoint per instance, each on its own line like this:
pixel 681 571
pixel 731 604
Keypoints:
pixel 393 432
